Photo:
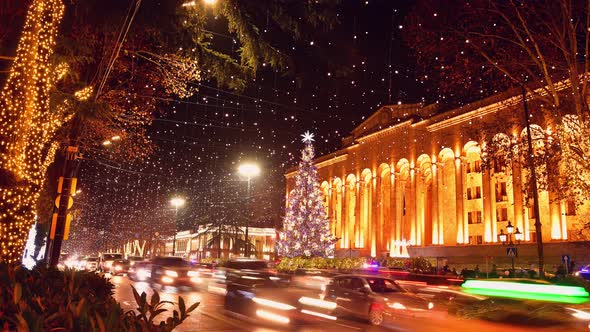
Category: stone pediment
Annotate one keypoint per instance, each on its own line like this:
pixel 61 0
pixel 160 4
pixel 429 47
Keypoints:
pixel 391 115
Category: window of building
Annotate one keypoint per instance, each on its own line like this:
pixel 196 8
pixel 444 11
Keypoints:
pixel 473 166
pixel 475 239
pixel 501 214
pixel 474 217
pixel 570 208
pixel 501 193
pixel 498 167
pixel 473 193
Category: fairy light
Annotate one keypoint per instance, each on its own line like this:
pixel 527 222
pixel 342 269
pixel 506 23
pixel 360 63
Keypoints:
pixel 27 125
pixel 84 94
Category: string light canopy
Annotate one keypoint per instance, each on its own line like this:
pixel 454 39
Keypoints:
pixel 27 125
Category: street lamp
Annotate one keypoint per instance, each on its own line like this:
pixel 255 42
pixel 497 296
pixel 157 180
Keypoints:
pixel 176 202
pixel 503 237
pixel 249 171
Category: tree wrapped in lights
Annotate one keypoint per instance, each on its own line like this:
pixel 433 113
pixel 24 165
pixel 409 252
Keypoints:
pixel 27 124
pixel 306 228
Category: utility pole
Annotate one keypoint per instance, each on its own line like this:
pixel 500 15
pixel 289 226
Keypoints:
pixel 61 219
pixel 538 229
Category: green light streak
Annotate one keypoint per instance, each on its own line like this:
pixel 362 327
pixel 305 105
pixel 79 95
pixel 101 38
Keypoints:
pixel 527 295
pixel 507 286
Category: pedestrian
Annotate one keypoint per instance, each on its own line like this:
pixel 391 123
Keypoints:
pixel 572 267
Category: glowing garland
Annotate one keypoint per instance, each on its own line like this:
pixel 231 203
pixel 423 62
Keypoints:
pixel 27 124
pixel 539 292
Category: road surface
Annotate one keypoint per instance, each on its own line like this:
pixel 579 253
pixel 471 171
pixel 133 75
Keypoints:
pixel 210 316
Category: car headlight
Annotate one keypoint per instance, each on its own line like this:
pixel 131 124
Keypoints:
pixel 193 274
pixel 430 305
pixel 272 304
pixel 396 305
pixel 171 273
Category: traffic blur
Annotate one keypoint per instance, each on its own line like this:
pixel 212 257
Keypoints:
pixel 254 291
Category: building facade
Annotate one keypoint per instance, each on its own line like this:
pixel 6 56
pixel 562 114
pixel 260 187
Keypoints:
pixel 204 243
pixel 409 181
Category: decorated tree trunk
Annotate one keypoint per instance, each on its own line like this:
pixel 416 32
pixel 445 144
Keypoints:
pixel 27 125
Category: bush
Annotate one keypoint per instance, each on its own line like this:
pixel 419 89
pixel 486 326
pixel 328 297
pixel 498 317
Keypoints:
pixel 342 264
pixel 47 299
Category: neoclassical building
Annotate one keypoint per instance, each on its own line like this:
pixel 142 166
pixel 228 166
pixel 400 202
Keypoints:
pixel 410 177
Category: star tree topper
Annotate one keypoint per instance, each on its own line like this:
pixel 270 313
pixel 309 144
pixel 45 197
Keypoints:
pixel 307 137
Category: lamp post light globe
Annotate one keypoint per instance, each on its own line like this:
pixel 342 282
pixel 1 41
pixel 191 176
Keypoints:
pixel 249 170
pixel 177 202
pixel 503 237
pixel 510 228
pixel 518 235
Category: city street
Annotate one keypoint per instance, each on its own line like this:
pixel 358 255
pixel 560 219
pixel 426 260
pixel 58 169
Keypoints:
pixel 210 316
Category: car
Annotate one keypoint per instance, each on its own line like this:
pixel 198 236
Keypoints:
pixel 584 273
pixel 235 269
pixel 374 298
pixel 107 259
pixel 312 278
pixel 257 294
pixel 88 263
pixel 140 271
pixel 120 266
pixel 204 274
pixel 172 271
pixel 134 259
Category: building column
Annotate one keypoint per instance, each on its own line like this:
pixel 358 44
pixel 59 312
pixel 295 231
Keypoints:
pixel 523 225
pixel 357 215
pixel 375 231
pixel 411 204
pixel 462 236
pixel 563 220
pixel 345 222
pixel 393 212
pixel 555 216
pixel 400 207
pixel 434 204
pixel 487 196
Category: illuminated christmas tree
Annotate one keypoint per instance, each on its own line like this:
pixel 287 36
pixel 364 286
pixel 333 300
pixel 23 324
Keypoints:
pixel 306 228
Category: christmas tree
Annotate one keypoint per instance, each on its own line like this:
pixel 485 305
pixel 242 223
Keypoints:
pixel 306 228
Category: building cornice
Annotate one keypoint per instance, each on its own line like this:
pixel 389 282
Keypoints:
pixel 323 163
pixel 384 132
pixel 493 108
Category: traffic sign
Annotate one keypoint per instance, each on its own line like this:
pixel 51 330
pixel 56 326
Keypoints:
pixel 511 252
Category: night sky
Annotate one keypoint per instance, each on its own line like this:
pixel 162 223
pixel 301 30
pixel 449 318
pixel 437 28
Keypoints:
pixel 339 79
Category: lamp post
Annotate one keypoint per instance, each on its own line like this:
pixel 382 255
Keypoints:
pixel 176 202
pixel 532 169
pixel 249 171
pixel 504 237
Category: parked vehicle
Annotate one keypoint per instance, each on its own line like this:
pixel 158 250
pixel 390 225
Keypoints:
pixel 107 259
pixel 375 298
